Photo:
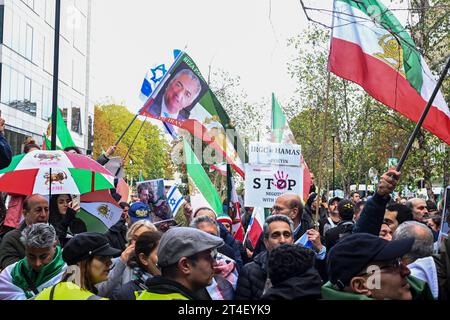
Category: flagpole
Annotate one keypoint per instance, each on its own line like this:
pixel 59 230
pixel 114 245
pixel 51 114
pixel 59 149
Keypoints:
pixel 422 118
pixel 55 73
pixel 123 133
pixel 229 190
pixel 132 143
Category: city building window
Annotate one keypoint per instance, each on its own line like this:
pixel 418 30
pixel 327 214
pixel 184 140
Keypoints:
pixel 8 27
pixel 76 120
pixel 64 115
pixel 27 90
pixel 29 3
pixel 50 12
pixel 16 91
pixel 46 103
pixel 29 43
pixel 6 84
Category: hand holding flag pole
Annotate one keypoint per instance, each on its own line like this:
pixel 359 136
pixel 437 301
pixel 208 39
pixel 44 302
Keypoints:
pixel 422 118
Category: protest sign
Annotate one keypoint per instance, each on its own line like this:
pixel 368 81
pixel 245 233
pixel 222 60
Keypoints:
pixel 274 153
pixel 264 183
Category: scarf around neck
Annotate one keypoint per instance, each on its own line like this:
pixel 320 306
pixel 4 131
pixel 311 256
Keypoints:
pixel 47 272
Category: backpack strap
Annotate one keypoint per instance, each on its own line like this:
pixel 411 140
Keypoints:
pixel 52 292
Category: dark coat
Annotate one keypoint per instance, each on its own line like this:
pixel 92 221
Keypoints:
pixel 102 159
pixel 234 244
pixel 372 215
pixel 156 106
pixel 442 261
pixel 305 226
pixel 162 285
pixel 303 287
pixel 126 291
pixel 5 152
pixel 61 223
pixel 117 235
pixel 252 278
pixel 11 248
pixel 333 235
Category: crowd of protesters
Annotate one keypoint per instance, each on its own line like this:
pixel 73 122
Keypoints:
pixel 359 249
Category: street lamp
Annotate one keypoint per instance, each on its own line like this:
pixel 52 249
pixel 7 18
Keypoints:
pixel 333 136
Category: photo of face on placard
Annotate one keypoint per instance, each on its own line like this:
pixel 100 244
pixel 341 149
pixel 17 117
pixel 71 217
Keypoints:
pixel 152 192
pixel 179 94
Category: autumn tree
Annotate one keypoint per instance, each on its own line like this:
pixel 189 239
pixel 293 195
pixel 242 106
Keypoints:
pixel 149 153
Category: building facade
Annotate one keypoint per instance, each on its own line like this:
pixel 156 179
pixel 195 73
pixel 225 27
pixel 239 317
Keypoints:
pixel 26 68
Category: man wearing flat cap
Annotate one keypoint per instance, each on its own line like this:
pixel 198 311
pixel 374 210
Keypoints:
pixel 186 257
pixel 363 266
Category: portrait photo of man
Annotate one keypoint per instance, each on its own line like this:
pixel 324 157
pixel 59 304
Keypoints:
pixel 176 99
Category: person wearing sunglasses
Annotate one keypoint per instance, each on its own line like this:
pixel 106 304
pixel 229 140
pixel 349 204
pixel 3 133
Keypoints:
pixel 363 266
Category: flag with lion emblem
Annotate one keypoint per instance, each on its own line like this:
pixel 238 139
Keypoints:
pixel 370 47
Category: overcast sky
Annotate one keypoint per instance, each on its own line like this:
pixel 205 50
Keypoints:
pixel 234 35
pixel 244 37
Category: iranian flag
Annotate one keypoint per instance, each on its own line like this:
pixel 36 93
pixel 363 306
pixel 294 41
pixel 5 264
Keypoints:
pixel 99 211
pixel 255 226
pixel 203 193
pixel 281 133
pixel 370 47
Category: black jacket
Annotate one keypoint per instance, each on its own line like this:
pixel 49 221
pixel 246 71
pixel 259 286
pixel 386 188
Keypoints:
pixel 333 235
pixel 372 215
pixel 11 248
pixel 163 285
pixel 5 152
pixel 102 159
pixel 117 235
pixel 234 244
pixel 303 287
pixel 442 261
pixel 252 278
pixel 61 223
pixel 305 226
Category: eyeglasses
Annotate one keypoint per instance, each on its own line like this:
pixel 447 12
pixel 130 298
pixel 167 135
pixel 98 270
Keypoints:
pixel 278 209
pixel 392 265
pixel 214 254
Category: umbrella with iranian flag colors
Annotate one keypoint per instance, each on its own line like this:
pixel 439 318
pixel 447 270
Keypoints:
pixel 67 173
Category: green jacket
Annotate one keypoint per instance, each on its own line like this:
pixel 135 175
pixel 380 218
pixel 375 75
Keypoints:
pixel 419 289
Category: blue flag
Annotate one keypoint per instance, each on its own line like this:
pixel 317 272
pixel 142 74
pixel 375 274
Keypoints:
pixel 151 80
pixel 175 199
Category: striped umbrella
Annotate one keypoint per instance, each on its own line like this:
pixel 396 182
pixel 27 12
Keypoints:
pixel 65 172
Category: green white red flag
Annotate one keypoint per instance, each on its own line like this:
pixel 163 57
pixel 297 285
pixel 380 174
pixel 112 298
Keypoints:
pixel 370 47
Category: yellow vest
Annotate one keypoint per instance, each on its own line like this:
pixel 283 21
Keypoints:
pixel 147 295
pixel 66 291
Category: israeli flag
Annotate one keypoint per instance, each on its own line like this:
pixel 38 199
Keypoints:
pixel 175 199
pixel 151 80
pixel 303 240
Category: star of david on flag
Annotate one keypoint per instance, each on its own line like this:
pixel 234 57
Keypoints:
pixel 151 80
pixel 175 199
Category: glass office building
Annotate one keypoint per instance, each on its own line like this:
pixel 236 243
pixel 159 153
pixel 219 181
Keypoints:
pixel 26 68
